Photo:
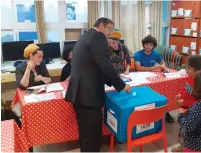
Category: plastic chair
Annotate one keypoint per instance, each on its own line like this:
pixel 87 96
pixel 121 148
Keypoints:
pixel 144 117
pixel 132 64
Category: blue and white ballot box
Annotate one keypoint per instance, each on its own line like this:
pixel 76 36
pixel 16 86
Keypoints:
pixel 119 106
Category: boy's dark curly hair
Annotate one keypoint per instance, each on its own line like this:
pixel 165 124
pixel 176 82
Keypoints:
pixel 149 39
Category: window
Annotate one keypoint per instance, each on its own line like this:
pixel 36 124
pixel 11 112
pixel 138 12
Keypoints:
pixel 23 36
pixel 25 11
pixel 6 11
pixel 105 9
pixel 7 36
pixel 76 10
pixel 51 11
pixel 53 36
pixel 147 19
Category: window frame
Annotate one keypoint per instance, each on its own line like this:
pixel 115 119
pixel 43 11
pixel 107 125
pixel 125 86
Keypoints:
pixel 59 26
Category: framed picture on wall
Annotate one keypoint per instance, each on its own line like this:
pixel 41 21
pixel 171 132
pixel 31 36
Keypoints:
pixel 71 11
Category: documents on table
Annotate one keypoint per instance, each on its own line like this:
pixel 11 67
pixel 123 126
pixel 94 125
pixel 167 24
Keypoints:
pixel 38 98
pixel 48 88
pixel 136 79
pixel 172 75
pixel 37 87
pixel 54 87
pixel 64 93
pixel 140 77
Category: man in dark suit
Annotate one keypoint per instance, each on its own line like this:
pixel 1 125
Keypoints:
pixel 91 69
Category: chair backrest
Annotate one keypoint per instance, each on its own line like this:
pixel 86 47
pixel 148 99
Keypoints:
pixel 172 59
pixel 145 117
pixel 177 60
pixel 160 49
pixel 132 63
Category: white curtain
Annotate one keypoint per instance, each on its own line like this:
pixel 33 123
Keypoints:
pixel 97 9
pixel 105 8
pixel 156 20
pixel 132 25
pixel 116 13
pixel 93 12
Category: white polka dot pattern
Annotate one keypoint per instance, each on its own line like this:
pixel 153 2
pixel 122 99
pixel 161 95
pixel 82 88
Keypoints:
pixel 54 121
pixel 191 124
pixel 12 139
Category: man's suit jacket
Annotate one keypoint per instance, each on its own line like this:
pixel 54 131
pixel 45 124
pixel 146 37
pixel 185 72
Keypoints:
pixel 91 69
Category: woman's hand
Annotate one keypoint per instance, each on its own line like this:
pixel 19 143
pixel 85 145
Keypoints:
pixel 126 72
pixel 178 99
pixel 38 78
pixel 182 111
pixel 30 65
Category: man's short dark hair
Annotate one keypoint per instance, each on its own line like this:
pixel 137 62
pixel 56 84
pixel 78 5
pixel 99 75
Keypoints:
pixel 149 39
pixel 103 20
pixel 66 52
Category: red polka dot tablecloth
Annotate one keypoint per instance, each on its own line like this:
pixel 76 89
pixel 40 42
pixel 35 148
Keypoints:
pixel 12 139
pixel 54 121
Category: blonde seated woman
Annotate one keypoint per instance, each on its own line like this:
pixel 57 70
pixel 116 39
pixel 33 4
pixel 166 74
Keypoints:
pixel 32 72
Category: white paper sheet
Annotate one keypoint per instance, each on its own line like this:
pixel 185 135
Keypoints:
pixel 193 45
pixel 108 88
pixel 54 87
pixel 140 77
pixel 64 93
pixel 133 84
pixel 37 87
pixel 193 53
pixel 7 68
pixel 144 127
pixel 185 49
pixel 195 34
pixel 140 74
pixel 38 98
pixel 187 32
pixel 56 65
pixel 187 13
pixel 194 26
pixel 174 13
pixel 182 72
pixel 174 31
pixel 180 11
pixel 172 75
pixel 173 47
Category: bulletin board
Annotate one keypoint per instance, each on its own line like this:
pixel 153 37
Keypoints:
pixel 181 42
pixel 182 24
pixel 185 27
pixel 187 5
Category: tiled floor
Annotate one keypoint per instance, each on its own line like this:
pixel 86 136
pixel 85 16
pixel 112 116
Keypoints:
pixel 171 130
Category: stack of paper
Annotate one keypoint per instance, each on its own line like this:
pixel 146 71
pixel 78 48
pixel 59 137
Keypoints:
pixel 37 87
pixel 172 75
pixel 38 98
pixel 48 88
pixel 135 79
pixel 54 87
pixel 140 77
